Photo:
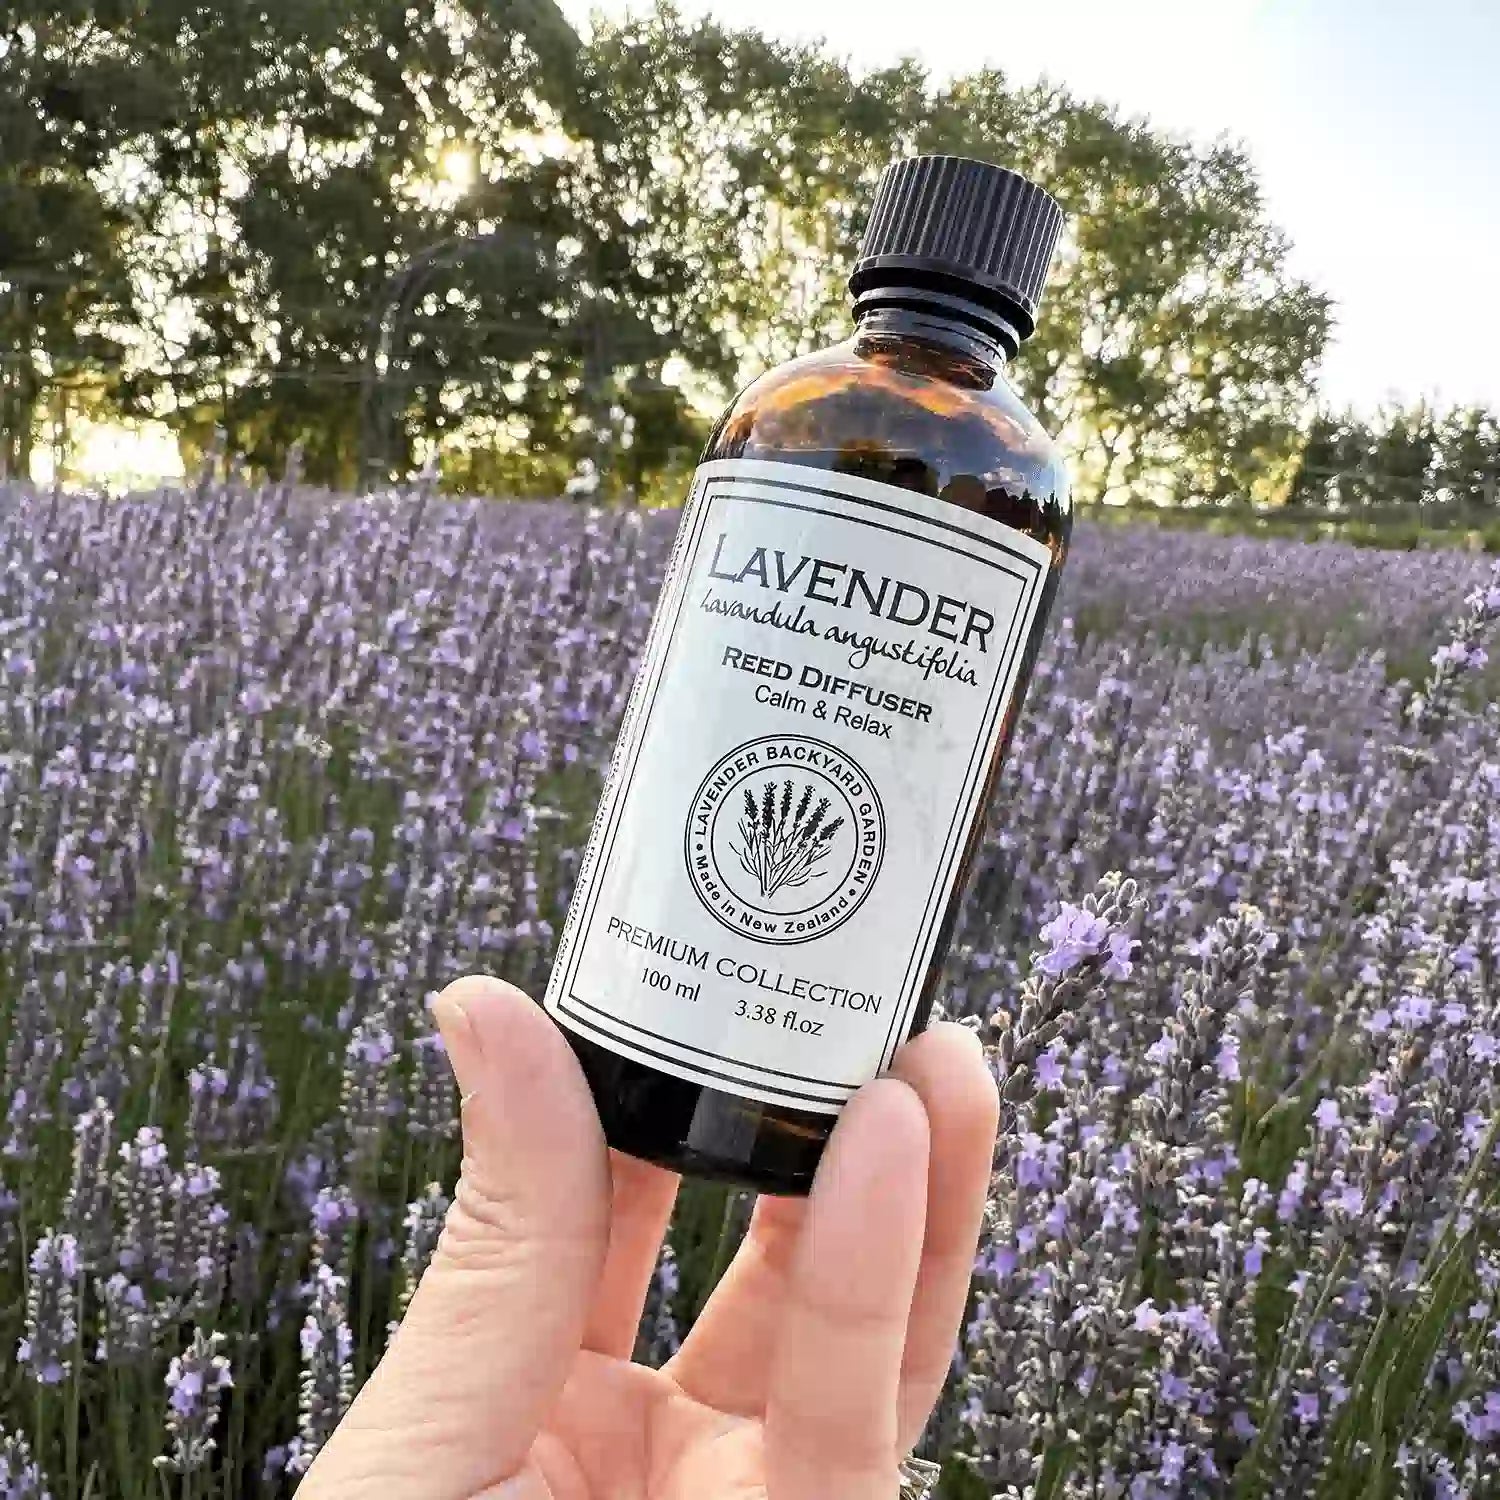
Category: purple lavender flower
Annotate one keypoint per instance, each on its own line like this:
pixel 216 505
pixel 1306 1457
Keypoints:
pixel 142 1188
pixel 21 1478
pixel 277 765
pixel 129 1323
pixel 46 1348
pixel 31 1055
pixel 658 1338
pixel 196 1381
pixel 367 1103
pixel 1434 704
pixel 327 1369
pixel 1071 937
pixel 432 1103
pixel 199 1236
pixel 423 1225
pixel 335 1221
pixel 87 1207
pixel 1080 934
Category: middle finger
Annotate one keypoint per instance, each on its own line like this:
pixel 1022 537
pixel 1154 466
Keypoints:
pixel 726 1359
pixel 641 1205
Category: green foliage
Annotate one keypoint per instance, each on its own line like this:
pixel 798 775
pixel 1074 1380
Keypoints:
pixel 1393 527
pixel 62 273
pixel 1177 350
pixel 1413 457
pixel 238 216
pixel 959 1483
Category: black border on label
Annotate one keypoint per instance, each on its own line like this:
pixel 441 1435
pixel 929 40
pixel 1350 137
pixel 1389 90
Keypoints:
pixel 727 487
pixel 614 1020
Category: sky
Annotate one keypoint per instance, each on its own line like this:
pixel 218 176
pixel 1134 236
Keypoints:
pixel 1375 126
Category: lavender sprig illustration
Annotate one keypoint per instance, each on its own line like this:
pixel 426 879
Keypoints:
pixel 784 852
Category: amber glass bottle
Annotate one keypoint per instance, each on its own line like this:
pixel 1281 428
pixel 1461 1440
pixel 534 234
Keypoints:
pixel 855 601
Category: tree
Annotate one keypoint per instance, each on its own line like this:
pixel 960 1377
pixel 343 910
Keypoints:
pixel 557 251
pixel 315 152
pixel 1400 456
pixel 1175 351
pixel 693 169
pixel 1467 466
pixel 1332 468
pixel 67 99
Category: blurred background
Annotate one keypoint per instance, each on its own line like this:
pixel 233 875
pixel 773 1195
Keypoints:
pixel 537 247
pixel 353 354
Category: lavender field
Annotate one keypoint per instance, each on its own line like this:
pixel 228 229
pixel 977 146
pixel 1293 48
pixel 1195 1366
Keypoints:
pixel 275 766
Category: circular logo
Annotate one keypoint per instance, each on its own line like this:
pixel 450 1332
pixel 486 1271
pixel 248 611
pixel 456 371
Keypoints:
pixel 785 836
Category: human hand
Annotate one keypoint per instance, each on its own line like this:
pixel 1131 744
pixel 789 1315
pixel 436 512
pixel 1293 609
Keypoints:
pixel 809 1374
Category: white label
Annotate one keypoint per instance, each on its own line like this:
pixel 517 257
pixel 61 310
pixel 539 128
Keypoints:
pixel 830 669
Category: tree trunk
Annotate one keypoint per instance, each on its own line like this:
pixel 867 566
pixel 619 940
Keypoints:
pixel 18 399
pixel 1111 447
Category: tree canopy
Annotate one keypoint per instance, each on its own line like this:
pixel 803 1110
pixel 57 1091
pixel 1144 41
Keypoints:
pixel 387 233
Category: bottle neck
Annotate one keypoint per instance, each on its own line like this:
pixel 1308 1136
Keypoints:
pixel 952 323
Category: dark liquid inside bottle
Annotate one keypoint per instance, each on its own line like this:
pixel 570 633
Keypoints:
pixel 917 400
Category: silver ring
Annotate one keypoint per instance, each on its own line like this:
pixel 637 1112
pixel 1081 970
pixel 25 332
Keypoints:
pixel 919 1478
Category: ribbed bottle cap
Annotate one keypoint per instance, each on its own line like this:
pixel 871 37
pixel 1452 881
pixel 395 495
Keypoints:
pixel 941 220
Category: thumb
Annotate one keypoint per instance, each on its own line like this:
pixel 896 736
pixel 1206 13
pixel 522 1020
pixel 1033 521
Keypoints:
pixel 496 1322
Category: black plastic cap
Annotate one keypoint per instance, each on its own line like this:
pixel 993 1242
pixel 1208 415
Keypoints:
pixel 948 222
